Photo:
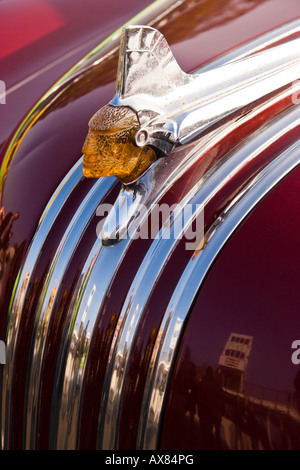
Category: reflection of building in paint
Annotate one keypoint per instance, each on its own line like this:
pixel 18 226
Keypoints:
pixel 234 360
pixel 174 339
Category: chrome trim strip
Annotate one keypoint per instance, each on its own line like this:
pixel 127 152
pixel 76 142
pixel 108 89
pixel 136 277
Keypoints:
pixel 174 320
pixel 88 300
pixel 47 302
pixel 47 220
pixel 86 304
pixel 154 263
pixel 152 13
pixel 174 106
pixel 160 99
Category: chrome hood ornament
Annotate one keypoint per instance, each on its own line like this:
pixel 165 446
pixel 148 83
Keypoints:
pixel 157 106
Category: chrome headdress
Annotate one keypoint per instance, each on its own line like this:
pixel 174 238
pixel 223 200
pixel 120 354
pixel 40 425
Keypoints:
pixel 158 106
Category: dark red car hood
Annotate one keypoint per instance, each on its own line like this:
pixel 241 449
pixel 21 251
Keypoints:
pixel 49 143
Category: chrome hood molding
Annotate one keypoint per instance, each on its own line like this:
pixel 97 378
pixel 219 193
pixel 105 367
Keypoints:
pixel 173 106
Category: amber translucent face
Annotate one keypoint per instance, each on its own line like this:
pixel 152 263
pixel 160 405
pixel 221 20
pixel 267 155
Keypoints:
pixel 109 148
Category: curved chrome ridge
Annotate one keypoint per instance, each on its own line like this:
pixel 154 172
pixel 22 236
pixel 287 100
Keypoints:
pixel 89 296
pixel 124 213
pixel 150 81
pixel 153 265
pixel 174 106
pixel 24 278
pixel 164 353
pixel 154 12
pixel 47 303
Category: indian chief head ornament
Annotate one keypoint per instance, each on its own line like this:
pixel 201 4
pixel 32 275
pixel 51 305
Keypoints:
pixel 157 107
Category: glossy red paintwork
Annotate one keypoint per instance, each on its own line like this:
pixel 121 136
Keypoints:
pixel 53 145
pixel 40 40
pixel 251 289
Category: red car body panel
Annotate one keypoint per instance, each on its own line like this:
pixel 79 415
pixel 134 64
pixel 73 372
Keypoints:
pixel 46 151
pixel 251 289
pixel 41 40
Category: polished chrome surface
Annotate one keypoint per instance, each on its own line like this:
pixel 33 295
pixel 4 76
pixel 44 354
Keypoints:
pixel 47 220
pixel 89 296
pixel 88 300
pixel 47 304
pixel 154 12
pixel 173 322
pixel 123 214
pixel 91 289
pixel 174 106
pixel 154 263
